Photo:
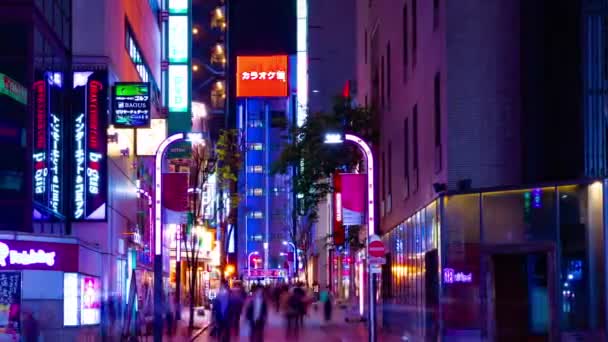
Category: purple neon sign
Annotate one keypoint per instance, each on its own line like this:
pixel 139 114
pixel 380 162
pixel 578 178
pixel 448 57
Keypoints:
pixel 450 276
pixel 34 255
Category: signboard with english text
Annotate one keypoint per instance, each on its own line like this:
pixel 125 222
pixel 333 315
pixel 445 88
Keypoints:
pixel 131 105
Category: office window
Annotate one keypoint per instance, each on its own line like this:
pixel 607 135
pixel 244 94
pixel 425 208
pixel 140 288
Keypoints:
pixel 389 181
pixel 383 161
pixel 406 155
pixel 405 42
pixel 255 192
pixel 437 99
pixel 365 47
pixel 255 169
pixel 388 75
pixel 257 237
pixel 382 78
pixel 435 14
pixel 414 30
pixel 415 144
pixel 255 146
pixel 143 69
pixel 255 123
pixel 255 214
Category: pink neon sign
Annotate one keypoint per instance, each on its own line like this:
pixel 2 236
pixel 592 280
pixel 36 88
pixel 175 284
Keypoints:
pixel 450 276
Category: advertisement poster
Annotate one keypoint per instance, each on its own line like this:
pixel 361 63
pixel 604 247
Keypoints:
pixel 90 146
pixel 353 198
pixel 131 103
pixel 10 305
pixel 90 300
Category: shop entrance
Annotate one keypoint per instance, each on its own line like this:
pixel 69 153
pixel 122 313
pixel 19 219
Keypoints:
pixel 520 293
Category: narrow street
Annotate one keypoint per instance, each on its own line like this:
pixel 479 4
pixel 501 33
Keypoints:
pixel 315 329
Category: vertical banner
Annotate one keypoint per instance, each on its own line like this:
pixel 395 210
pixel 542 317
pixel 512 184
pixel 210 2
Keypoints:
pixel 90 97
pixel 353 198
pixel 338 231
pixel 48 146
pixel 175 201
pixel 10 305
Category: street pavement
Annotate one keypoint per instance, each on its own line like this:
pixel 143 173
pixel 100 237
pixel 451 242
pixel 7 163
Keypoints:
pixel 315 329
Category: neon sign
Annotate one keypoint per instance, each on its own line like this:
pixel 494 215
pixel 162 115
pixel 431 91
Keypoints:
pixel 13 89
pixel 178 39
pixel 450 276
pixel 90 141
pixel 25 257
pixel 131 105
pixel 48 145
pixel 262 76
pixel 178 88
pixel 55 157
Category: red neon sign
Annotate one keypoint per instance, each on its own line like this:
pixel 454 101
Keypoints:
pixel 262 76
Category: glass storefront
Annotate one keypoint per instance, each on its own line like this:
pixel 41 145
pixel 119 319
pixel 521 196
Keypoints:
pixel 499 265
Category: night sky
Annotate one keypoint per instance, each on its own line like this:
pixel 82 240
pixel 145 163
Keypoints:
pixel 263 26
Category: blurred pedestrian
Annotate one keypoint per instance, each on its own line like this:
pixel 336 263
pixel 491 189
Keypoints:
pixel 257 314
pixel 31 328
pixel 170 317
pixel 326 300
pixel 237 301
pixel 221 314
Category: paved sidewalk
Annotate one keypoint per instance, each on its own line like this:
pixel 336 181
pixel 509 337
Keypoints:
pixel 315 329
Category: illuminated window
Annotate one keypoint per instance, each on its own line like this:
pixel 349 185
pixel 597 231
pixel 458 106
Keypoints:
pixel 255 214
pixel 255 192
pixel 257 237
pixel 255 147
pixel 138 60
pixel 255 169
pixel 255 123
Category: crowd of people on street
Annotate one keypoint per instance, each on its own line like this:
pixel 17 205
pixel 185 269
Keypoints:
pixel 232 305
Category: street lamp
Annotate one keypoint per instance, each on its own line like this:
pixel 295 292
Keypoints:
pixel 249 262
pixel 194 138
pixel 337 138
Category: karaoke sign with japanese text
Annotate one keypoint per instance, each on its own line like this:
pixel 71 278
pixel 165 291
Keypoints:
pixel 131 105
pixel 262 76
pixel 90 146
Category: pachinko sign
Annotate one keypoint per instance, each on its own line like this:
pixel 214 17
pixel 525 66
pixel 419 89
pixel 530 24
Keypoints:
pixel 90 146
pixel 48 145
pixel 261 76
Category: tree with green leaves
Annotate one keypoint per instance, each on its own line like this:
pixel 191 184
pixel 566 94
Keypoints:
pixel 229 151
pixel 312 162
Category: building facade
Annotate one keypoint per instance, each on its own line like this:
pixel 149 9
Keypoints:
pixel 463 92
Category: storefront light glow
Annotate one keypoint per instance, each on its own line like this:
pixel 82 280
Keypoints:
pixel 70 299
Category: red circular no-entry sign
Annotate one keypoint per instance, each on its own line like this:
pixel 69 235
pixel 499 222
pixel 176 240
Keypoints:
pixel 376 249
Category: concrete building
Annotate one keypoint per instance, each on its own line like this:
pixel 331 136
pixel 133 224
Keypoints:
pixel 474 97
pixel 75 186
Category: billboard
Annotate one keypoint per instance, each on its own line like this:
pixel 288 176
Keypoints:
pixel 48 146
pixel 262 76
pixel 89 153
pixel 148 139
pixel 338 231
pixel 13 89
pixel 131 105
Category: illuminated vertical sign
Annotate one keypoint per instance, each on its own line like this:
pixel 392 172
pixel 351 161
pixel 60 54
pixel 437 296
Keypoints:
pixel 90 152
pixel 48 145
pixel 40 140
pixel 178 88
pixel 178 6
pixel 302 60
pixel 178 39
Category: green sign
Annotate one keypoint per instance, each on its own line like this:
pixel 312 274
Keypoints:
pixel 178 39
pixel 178 88
pixel 12 89
pixel 132 89
pixel 178 6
